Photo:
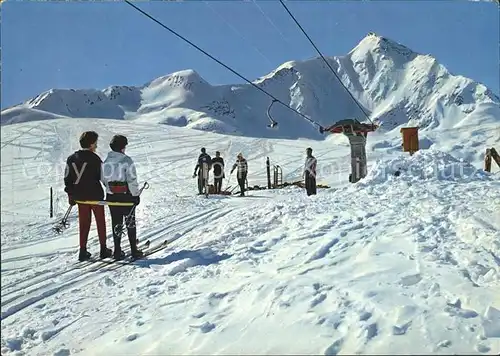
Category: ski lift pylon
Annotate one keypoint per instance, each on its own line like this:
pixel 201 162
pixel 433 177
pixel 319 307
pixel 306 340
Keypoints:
pixel 350 127
pixel 357 133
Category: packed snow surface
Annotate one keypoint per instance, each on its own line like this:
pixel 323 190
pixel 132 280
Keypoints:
pixel 399 263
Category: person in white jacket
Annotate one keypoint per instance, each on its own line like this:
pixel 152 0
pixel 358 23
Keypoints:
pixel 119 176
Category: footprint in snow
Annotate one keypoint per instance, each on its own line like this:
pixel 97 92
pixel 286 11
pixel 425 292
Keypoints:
pixel 62 352
pixel 404 317
pixel 318 300
pixel 370 331
pixel 411 279
pixel 206 327
pixel 463 313
pixel 491 322
pixel 364 316
pixel 400 330
pixel 334 348
pixel 14 344
pixel 444 343
pixel 199 315
pixel 132 337
pixel 323 250
pixel 482 348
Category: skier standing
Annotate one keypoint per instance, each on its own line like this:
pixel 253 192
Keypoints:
pixel 218 165
pixel 310 172
pixel 201 170
pixel 120 179
pixel 82 182
pixel 241 173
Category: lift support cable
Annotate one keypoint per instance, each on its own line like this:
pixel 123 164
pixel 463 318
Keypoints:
pixel 222 64
pixel 324 59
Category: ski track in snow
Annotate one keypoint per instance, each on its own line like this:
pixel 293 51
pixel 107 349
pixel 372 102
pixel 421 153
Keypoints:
pixel 368 268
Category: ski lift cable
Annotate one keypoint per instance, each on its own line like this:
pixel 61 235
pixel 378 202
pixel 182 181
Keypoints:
pixel 235 30
pixel 221 63
pixel 324 59
pixel 271 22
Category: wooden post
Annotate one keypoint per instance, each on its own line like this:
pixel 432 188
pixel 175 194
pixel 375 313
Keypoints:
pixel 487 160
pixel 275 177
pixel 51 203
pixel 410 139
pixel 268 168
pixel 495 156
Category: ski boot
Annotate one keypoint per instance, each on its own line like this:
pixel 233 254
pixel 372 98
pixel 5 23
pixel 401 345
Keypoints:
pixel 84 255
pixel 105 253
pixel 118 254
pixel 137 253
pixel 133 247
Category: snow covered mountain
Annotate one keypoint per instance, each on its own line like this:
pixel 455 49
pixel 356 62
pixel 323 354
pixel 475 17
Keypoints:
pixel 393 83
pixel 394 264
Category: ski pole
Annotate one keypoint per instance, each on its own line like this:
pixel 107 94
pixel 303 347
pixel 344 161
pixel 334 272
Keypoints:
pixel 63 224
pixel 227 184
pixel 120 229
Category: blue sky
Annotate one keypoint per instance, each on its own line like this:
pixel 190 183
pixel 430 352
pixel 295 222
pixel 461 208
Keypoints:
pixel 96 44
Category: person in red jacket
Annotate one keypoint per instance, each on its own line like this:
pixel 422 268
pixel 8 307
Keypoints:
pixel 82 180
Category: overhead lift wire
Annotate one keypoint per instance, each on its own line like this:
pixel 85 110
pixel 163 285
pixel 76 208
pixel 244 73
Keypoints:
pixel 235 30
pixel 271 22
pixel 221 63
pixel 324 59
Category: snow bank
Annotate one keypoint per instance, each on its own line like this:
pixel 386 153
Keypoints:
pixel 430 164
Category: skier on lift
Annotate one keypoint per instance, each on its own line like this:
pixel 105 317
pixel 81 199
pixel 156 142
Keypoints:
pixel 201 170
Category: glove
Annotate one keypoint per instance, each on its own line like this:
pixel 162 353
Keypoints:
pixel 137 200
pixel 194 175
pixel 71 201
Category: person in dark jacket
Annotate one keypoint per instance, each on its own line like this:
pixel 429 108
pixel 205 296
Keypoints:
pixel 82 180
pixel 218 166
pixel 120 179
pixel 241 173
pixel 310 172
pixel 201 170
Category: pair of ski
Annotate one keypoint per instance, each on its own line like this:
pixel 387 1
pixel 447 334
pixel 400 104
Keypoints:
pixel 146 248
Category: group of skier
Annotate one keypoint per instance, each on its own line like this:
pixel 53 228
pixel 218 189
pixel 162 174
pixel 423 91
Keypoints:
pixel 85 171
pixel 205 163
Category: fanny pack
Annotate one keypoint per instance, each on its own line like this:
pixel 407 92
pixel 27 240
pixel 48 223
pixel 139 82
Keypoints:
pixel 118 187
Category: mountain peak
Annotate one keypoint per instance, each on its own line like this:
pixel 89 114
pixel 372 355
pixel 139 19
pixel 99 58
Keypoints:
pixel 384 47
pixel 183 78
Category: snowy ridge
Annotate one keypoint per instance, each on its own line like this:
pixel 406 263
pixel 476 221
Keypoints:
pixel 76 103
pixel 393 83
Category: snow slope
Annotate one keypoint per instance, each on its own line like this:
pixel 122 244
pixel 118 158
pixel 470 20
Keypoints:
pixel 390 265
pixel 393 83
